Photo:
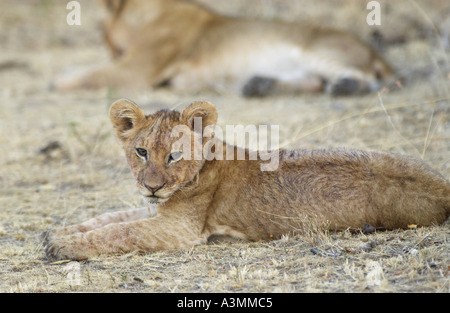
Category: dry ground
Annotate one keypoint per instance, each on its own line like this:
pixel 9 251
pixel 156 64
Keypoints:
pixel 59 163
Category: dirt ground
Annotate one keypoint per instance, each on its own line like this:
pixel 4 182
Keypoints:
pixel 60 164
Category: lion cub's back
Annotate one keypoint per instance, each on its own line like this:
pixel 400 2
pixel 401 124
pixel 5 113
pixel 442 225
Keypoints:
pixel 382 189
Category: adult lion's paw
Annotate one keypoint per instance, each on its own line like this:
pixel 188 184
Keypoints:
pixel 74 79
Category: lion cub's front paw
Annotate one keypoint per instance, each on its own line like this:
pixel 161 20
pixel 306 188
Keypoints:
pixel 45 237
pixel 56 249
pixel 52 250
pixel 67 248
pixel 49 235
pixel 52 234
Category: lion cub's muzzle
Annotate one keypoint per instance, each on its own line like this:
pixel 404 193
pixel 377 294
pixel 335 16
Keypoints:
pixel 152 193
pixel 154 189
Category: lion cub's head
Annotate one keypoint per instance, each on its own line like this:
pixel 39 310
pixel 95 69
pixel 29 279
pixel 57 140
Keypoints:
pixel 152 149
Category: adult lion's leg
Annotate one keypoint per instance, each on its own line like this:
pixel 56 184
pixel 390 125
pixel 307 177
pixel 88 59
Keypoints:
pixel 133 71
pixel 114 75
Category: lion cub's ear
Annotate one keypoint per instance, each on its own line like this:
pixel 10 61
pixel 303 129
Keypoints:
pixel 125 115
pixel 202 109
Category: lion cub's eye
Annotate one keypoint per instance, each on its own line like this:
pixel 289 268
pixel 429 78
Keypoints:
pixel 141 152
pixel 175 156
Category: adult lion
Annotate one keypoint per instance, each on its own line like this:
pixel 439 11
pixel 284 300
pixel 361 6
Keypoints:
pixel 188 47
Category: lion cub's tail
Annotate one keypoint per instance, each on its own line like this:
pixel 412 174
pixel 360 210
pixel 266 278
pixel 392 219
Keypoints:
pixel 410 190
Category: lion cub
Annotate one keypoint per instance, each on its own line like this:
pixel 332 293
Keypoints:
pixel 188 47
pixel 190 199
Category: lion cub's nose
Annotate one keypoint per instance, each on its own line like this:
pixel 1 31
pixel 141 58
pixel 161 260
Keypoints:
pixel 154 189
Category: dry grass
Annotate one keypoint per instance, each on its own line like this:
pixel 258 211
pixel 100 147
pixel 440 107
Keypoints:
pixel 84 173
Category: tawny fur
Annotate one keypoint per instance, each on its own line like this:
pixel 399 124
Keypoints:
pixel 187 201
pixel 189 47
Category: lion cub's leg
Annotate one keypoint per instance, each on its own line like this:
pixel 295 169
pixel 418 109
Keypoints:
pixel 150 234
pixel 99 221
